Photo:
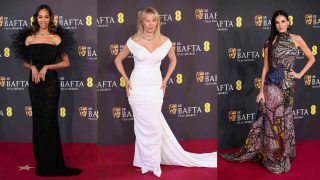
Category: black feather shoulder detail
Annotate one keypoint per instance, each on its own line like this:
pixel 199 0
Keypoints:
pixel 18 44
pixel 67 42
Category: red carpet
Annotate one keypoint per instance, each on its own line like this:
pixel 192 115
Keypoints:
pixel 119 163
pixel 13 155
pixel 304 167
pixel 99 162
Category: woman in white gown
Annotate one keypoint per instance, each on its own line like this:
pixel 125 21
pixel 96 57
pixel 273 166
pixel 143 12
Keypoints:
pixel 155 142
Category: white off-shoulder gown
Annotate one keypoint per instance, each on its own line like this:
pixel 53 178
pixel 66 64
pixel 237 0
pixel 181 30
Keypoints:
pixel 155 143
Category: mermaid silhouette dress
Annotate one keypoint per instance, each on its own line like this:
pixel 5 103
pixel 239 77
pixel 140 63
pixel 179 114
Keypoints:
pixel 44 98
pixel 155 143
pixel 271 139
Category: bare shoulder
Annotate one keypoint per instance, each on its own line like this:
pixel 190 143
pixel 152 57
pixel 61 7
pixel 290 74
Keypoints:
pixel 163 38
pixel 136 38
pixel 29 39
pixel 296 38
pixel 56 39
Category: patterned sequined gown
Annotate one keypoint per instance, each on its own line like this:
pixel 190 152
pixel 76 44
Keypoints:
pixel 271 139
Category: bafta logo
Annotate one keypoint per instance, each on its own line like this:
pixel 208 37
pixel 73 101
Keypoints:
pixel 232 116
pixel 28 110
pixel 83 110
pixel 173 108
pixel 258 20
pixel 1 21
pixel 200 76
pixel 174 44
pixel 232 53
pixel 116 111
pixel 198 13
pixel 55 20
pixel 114 49
pixel 307 80
pixel 2 81
pixel 308 19
pixel 257 83
pixel 82 50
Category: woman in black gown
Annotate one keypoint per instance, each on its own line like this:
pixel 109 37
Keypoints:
pixel 43 48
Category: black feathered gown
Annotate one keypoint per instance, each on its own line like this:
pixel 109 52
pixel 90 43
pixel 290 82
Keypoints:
pixel 44 98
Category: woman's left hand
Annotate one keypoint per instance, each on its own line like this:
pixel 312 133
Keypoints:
pixel 293 74
pixel 164 86
pixel 42 73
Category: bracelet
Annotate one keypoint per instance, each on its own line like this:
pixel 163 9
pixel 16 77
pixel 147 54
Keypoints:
pixel 299 75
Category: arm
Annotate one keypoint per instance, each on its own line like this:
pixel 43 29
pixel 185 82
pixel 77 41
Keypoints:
pixel 265 70
pixel 28 66
pixel 118 62
pixel 303 46
pixel 34 72
pixel 172 65
pixel 63 64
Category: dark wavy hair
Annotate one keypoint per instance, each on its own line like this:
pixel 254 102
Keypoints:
pixel 274 32
pixel 35 24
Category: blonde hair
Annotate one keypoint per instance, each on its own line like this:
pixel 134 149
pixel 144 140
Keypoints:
pixel 142 15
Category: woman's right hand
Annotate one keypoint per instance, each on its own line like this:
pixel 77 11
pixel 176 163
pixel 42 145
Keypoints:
pixel 260 97
pixel 35 74
pixel 128 87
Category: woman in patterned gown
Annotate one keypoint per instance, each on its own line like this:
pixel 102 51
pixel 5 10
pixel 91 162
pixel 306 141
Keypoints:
pixel 43 49
pixel 155 142
pixel 271 139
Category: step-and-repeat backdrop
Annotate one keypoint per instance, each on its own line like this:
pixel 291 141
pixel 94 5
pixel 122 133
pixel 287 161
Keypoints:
pixel 244 27
pixel 93 105
pixel 207 36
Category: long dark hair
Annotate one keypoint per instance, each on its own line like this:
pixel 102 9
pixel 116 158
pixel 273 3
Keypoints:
pixel 274 32
pixel 35 24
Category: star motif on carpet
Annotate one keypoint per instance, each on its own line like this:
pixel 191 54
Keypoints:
pixel 25 167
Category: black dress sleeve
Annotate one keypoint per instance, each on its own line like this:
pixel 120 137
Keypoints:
pixel 67 42
pixel 18 44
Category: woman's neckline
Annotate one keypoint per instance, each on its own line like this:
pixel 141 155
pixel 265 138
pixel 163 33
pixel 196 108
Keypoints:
pixel 43 44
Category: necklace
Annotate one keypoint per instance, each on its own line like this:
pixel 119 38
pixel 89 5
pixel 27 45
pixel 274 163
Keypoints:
pixel 148 39
pixel 42 34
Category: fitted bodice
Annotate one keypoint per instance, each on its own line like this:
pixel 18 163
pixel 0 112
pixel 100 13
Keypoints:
pixel 143 58
pixel 43 54
pixel 146 78
pixel 282 58
pixel 283 52
pixel 146 63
